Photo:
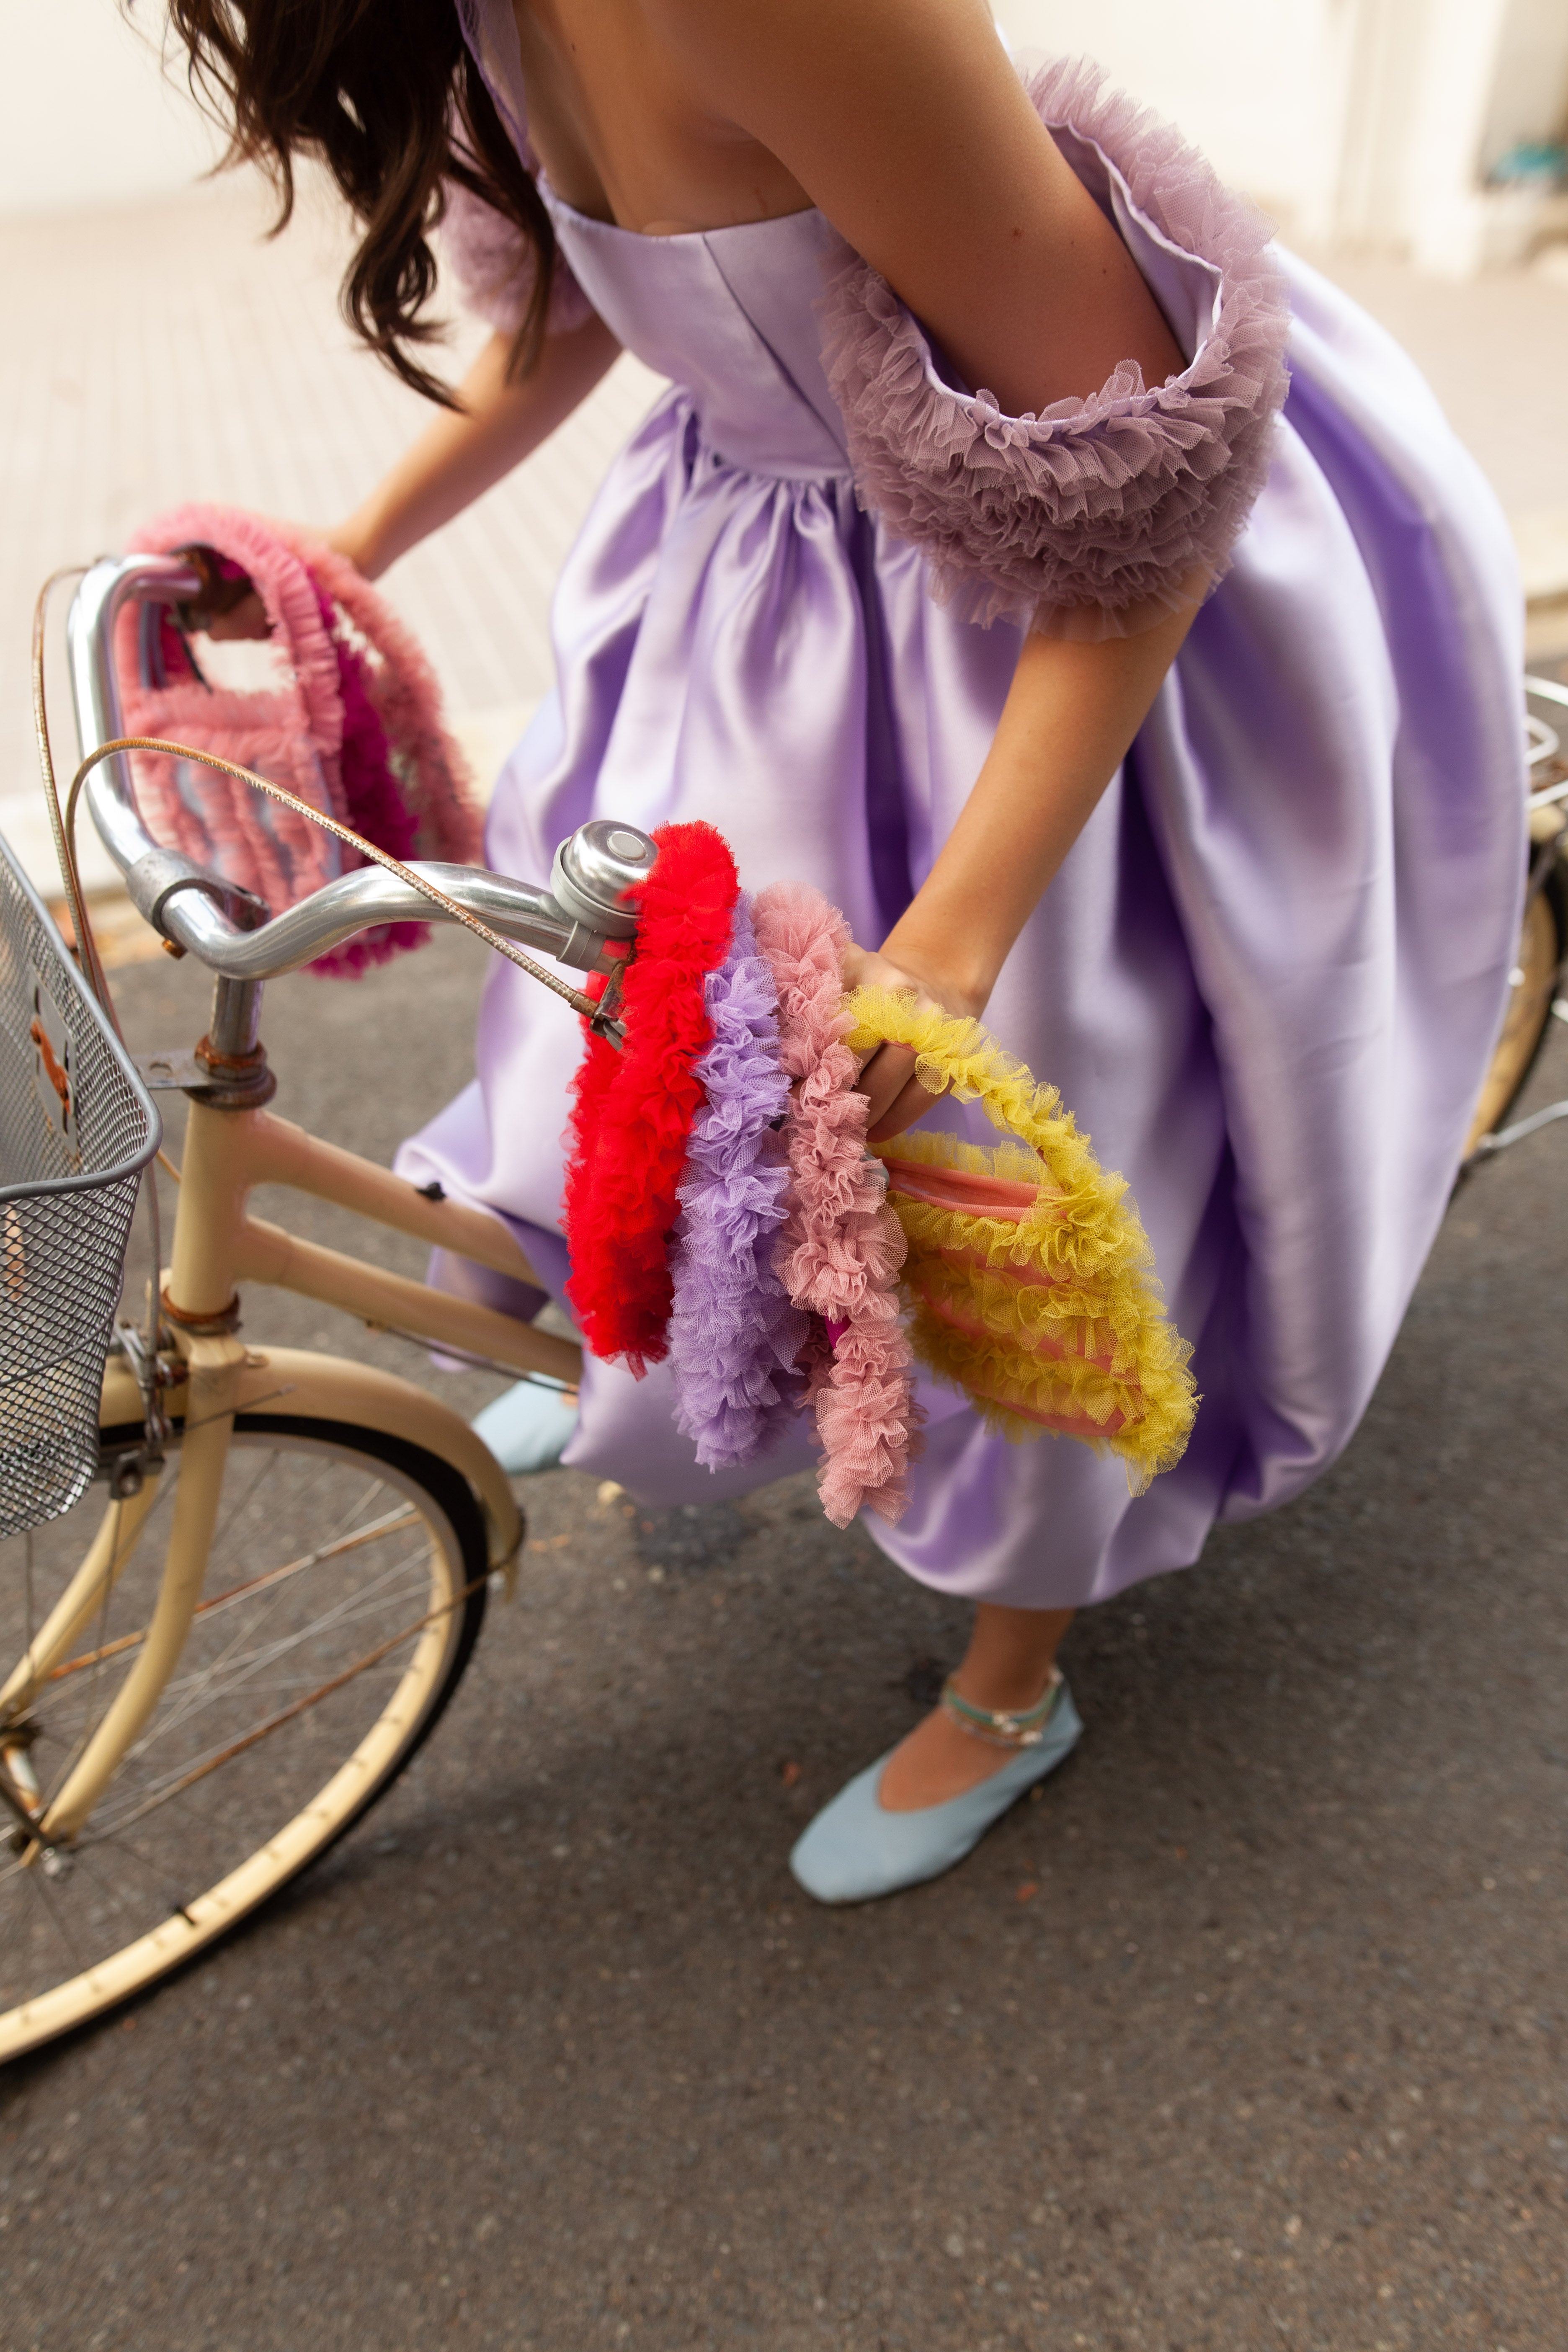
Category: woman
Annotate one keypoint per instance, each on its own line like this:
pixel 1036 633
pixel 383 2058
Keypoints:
pixel 1200 771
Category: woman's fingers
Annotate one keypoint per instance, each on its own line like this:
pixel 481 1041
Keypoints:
pixel 226 604
pixel 894 1094
pixel 911 1103
pixel 886 1075
pixel 883 1077
pixel 246 619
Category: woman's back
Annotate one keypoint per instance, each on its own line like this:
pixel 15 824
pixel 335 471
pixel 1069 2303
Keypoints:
pixel 621 133
pixel 902 120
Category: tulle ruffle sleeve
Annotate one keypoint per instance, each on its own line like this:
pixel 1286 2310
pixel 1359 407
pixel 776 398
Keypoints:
pixel 1087 519
pixel 493 266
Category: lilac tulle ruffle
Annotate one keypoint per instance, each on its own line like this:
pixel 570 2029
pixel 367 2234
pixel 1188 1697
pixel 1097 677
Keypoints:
pixel 493 267
pixel 733 1334
pixel 1093 518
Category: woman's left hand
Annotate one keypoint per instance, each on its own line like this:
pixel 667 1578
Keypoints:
pixel 887 1074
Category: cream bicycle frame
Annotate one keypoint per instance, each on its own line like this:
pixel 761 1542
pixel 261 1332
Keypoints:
pixel 218 1245
pixel 232 1144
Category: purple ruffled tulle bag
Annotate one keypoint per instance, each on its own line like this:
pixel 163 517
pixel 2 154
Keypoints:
pixel 734 1335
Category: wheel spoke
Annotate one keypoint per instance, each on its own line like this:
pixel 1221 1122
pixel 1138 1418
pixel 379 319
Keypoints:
pixel 236 1592
pixel 341 1601
pixel 261 1731
pixel 46 1894
pixel 194 1694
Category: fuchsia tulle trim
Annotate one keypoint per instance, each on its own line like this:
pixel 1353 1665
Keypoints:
pixel 842 1247
pixel 351 725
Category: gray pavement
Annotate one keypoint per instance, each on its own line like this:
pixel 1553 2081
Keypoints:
pixel 1249 2032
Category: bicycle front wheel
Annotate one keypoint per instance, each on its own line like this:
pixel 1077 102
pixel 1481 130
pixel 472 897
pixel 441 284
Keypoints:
pixel 343 1597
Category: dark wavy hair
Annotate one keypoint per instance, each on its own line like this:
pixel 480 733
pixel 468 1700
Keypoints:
pixel 385 94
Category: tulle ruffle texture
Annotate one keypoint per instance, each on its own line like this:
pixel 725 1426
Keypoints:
pixel 841 1247
pixel 493 267
pixel 1029 1274
pixel 353 726
pixel 1031 1277
pixel 1093 518
pixel 734 1335
pixel 633 1109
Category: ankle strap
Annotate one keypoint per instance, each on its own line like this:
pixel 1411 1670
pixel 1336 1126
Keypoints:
pixel 1004 1726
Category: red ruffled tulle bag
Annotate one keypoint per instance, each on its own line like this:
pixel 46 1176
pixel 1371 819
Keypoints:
pixel 633 1109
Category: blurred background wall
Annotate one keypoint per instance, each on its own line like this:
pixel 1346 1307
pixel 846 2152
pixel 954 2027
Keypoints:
pixel 1430 129
pixel 87 115
pixel 1427 129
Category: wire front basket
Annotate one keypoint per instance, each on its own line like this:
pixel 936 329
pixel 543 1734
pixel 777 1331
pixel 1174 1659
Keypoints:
pixel 77 1129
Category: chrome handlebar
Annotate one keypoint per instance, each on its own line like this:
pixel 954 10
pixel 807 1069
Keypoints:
pixel 234 934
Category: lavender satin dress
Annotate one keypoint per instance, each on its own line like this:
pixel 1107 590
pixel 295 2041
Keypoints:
pixel 1267 978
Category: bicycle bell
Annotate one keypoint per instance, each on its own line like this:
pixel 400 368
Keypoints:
pixel 594 866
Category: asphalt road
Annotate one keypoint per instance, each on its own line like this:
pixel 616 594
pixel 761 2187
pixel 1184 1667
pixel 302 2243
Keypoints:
pixel 1249 2032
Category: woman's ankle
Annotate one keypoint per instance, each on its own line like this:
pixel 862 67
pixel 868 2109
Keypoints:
pixel 1010 1694
pixel 1011 1656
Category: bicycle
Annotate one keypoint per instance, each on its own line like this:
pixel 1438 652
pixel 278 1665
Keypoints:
pixel 221 1668
pixel 1537 977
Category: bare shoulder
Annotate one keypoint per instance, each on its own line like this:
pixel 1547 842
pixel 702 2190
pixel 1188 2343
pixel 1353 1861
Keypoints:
pixel 906 123
pixel 810 65
pixel 773 27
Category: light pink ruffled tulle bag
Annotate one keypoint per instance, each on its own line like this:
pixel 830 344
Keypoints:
pixel 350 723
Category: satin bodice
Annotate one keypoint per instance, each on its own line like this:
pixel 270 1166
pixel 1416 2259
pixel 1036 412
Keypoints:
pixel 729 315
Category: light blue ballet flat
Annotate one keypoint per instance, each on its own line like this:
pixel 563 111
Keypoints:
pixel 528 1427
pixel 856 1850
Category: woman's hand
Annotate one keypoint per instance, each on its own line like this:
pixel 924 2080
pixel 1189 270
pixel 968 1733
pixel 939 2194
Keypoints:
pixel 229 609
pixel 887 1074
pixel 500 419
pixel 226 606
pixel 247 618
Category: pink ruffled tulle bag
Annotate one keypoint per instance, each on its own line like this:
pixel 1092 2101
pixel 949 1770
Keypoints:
pixel 350 723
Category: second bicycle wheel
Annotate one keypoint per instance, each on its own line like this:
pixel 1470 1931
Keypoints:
pixel 343 1596
pixel 1533 988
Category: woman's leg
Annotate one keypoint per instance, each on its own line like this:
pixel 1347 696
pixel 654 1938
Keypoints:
pixel 1006 1665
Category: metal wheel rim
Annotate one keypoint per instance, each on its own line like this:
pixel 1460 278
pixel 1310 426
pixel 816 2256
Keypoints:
pixel 308 1827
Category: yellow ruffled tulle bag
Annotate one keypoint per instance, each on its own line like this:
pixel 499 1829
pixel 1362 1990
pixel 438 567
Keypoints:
pixel 1030 1276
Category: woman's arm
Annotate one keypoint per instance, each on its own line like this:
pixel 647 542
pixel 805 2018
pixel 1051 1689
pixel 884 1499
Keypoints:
pixel 464 452
pixel 905 120
pixel 906 123
pixel 1069 719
